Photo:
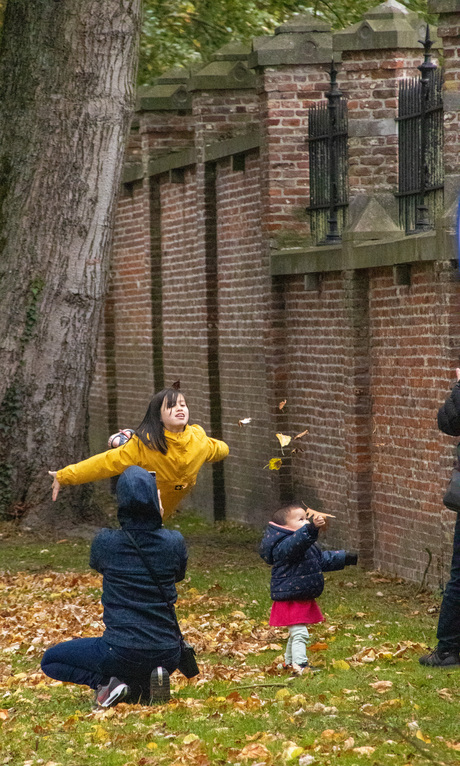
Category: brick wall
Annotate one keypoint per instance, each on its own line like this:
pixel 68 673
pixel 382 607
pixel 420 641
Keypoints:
pixel 362 347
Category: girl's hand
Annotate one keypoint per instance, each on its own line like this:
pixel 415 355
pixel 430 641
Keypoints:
pixel 55 486
pixel 457 372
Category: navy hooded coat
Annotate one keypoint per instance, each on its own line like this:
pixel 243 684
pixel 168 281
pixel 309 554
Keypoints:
pixel 135 614
pixel 297 562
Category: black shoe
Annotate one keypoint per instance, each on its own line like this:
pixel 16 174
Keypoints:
pixel 159 686
pixel 438 659
pixel 111 694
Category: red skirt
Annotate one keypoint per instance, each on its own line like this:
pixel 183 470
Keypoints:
pixel 285 613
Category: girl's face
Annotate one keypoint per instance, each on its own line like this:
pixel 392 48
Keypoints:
pixel 175 418
pixel 296 519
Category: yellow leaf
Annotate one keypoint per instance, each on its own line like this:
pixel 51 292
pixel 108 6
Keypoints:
pixel 423 737
pixel 152 745
pixel 281 694
pixel 292 751
pixel 340 665
pixel 275 464
pixel 283 439
pixel 190 738
pixel 101 734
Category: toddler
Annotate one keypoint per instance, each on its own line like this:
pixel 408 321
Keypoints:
pixel 289 545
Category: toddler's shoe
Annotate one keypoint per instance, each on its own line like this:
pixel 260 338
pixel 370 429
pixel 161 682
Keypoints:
pixel 304 667
pixel 111 694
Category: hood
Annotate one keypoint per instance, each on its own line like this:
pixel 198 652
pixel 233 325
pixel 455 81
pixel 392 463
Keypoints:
pixel 137 497
pixel 273 535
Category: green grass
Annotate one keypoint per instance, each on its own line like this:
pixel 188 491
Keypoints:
pixel 242 709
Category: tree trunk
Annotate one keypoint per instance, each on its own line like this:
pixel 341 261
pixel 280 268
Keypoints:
pixel 67 71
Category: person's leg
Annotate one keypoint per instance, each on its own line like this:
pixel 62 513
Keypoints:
pixel 299 639
pixel 288 652
pixel 447 651
pixel 80 661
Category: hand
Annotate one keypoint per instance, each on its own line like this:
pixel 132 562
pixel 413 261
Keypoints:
pixel 457 372
pixel 162 510
pixel 351 559
pixel 318 521
pixel 55 486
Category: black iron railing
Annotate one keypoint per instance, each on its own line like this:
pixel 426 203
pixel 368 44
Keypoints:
pixel 327 139
pixel 420 142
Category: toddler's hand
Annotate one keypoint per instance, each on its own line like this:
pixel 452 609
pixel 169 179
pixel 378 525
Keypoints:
pixel 351 559
pixel 318 521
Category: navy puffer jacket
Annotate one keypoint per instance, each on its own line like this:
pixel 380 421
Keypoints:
pixel 297 562
pixel 135 613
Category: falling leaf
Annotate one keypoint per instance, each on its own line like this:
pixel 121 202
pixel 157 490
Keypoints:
pixel 283 439
pixel 176 385
pixel 299 436
pixel 274 464
pixel 244 422
pixel 282 404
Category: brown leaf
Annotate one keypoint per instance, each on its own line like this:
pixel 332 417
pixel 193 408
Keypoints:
pixel 282 404
pixel 176 385
pixel 299 436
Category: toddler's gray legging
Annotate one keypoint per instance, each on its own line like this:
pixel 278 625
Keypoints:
pixel 296 645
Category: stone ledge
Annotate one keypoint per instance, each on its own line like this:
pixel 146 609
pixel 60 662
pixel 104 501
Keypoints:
pixel 371 254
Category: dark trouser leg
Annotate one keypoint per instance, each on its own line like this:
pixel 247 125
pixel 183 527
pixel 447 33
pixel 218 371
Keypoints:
pixel 80 661
pixel 449 617
pixel 92 661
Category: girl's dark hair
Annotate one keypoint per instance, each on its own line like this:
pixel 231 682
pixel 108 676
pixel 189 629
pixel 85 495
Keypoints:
pixel 281 515
pixel 152 431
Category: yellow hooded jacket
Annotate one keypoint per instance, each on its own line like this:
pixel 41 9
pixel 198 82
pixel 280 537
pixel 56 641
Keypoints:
pixel 176 471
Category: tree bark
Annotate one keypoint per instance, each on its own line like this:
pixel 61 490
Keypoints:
pixel 67 72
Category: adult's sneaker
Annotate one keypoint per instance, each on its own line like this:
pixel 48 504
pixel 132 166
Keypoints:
pixel 111 694
pixel 438 659
pixel 160 690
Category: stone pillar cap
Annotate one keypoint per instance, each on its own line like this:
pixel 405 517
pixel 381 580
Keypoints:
pixel 388 26
pixel 303 39
pixel 233 51
pixel 169 93
pixel 223 73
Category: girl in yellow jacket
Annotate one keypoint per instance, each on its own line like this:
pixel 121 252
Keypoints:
pixel 164 443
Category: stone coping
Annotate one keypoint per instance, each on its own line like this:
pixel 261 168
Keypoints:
pixel 414 248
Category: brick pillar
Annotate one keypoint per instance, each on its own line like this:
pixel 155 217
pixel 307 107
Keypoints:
pixel 376 53
pixel 292 68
